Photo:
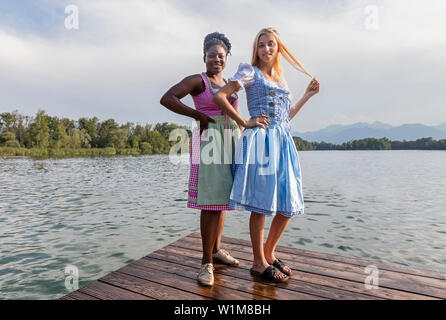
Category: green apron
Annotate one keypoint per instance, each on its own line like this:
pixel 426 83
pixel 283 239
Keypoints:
pixel 217 149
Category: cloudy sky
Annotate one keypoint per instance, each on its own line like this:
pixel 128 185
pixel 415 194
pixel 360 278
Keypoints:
pixel 376 60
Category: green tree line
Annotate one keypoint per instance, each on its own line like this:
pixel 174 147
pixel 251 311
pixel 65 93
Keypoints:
pixel 43 135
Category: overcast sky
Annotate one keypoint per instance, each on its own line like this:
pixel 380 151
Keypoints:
pixel 376 60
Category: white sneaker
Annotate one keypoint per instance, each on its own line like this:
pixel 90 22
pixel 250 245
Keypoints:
pixel 206 274
pixel 225 257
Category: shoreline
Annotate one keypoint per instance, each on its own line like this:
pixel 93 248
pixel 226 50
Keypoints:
pixel 96 152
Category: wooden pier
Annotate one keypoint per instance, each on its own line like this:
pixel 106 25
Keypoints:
pixel 170 274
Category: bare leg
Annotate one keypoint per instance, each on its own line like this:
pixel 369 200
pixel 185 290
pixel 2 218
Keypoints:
pixel 256 229
pixel 221 224
pixel 209 221
pixel 278 227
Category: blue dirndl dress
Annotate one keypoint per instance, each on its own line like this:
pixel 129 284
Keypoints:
pixel 266 170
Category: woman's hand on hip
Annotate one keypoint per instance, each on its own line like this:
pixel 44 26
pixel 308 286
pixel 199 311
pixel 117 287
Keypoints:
pixel 204 122
pixel 259 121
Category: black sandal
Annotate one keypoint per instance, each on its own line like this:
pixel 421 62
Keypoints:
pixel 269 274
pixel 279 264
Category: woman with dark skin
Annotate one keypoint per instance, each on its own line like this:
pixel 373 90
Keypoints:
pixel 202 87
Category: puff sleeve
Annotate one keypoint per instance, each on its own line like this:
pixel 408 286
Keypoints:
pixel 244 75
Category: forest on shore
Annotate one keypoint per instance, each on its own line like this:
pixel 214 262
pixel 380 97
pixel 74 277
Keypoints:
pixel 48 136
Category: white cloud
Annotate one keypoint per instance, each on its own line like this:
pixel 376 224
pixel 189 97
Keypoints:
pixel 127 53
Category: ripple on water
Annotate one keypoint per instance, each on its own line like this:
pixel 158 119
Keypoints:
pixel 318 214
pixel 345 248
pixel 303 241
pixel 10 271
pixel 100 213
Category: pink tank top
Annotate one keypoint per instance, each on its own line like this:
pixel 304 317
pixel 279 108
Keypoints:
pixel 203 102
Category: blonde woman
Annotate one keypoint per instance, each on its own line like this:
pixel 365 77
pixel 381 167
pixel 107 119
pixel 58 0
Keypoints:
pixel 267 175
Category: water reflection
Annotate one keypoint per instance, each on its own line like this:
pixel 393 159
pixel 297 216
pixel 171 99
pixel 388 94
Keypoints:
pixel 102 213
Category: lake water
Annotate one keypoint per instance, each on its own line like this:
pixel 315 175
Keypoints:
pixel 101 213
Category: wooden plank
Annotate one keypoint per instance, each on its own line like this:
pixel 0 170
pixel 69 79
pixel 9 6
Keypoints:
pixel 195 243
pixel 217 291
pixel 231 283
pixel 170 253
pixel 355 261
pixel 170 273
pixel 415 281
pixel 105 291
pixel 228 278
pixel 335 275
pixel 387 279
pixel 331 257
pixel 76 295
pixel 148 288
pixel 284 291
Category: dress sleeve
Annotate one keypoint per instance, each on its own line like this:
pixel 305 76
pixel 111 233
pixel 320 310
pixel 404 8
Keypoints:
pixel 244 75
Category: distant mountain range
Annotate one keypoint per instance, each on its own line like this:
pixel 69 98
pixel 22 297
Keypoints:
pixel 339 134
